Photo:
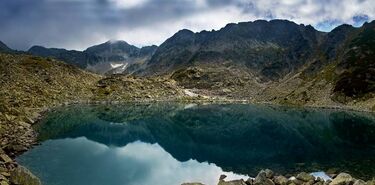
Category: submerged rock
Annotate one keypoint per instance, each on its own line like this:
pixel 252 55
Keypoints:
pixel 23 176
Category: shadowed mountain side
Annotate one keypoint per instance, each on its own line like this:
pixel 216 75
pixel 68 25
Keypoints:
pixel 269 49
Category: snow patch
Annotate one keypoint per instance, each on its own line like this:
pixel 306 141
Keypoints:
pixel 116 65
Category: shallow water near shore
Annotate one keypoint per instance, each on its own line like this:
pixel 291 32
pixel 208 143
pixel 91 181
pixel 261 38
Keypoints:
pixel 171 143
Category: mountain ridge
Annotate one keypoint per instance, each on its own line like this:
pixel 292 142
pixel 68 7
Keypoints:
pixel 263 61
pixel 99 58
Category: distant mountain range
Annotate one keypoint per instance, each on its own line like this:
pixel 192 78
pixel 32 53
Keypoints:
pixel 275 60
pixel 111 56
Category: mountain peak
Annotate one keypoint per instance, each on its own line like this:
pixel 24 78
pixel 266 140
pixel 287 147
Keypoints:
pixel 4 47
pixel 185 31
pixel 112 42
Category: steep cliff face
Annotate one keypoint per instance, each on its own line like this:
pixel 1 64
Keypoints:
pixel 356 69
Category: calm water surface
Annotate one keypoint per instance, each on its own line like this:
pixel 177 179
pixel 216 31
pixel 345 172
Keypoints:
pixel 168 144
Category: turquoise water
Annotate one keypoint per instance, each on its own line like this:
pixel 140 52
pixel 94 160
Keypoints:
pixel 169 143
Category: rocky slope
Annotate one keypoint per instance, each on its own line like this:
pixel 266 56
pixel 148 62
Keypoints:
pixel 109 57
pixel 32 84
pixel 276 61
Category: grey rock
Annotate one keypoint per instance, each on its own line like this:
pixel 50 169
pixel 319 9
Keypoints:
pixel 371 182
pixel 261 179
pixel 5 158
pixel 303 176
pixel 269 173
pixel 4 183
pixel 280 180
pixel 359 182
pixel 342 179
pixel 222 177
pixel 310 182
pixel 327 182
pixel 297 181
pixel 23 176
pixel 250 181
pixel 233 182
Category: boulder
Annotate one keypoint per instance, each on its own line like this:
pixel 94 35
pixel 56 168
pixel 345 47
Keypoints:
pixel 4 183
pixel 250 181
pixel 280 180
pixel 342 179
pixel 269 173
pixel 23 176
pixel 222 177
pixel 5 158
pixel 303 176
pixel 261 179
pixel 327 182
pixel 297 181
pixel 371 182
pixel 310 182
pixel 359 182
pixel 233 182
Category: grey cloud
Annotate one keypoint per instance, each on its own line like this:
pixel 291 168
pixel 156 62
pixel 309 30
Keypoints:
pixel 76 24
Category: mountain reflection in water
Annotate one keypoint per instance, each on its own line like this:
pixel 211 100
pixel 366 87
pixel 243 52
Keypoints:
pixel 81 161
pixel 172 143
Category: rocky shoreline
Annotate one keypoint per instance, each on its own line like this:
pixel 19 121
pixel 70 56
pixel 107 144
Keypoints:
pixel 268 177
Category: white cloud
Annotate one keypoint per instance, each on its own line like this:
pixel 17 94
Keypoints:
pixel 77 24
pixel 137 163
pixel 315 11
pixel 128 4
pixel 205 20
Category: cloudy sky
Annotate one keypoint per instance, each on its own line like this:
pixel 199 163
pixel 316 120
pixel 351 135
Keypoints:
pixel 77 24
